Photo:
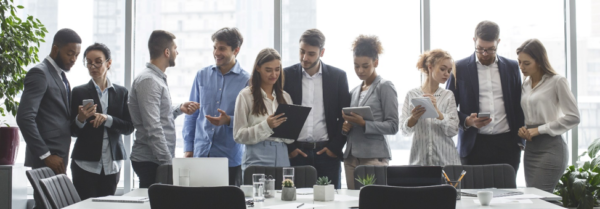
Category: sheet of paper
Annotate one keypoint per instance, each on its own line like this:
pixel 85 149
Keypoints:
pixel 294 206
pixel 506 201
pixel 304 191
pixel 523 196
pixel 343 198
pixel 425 102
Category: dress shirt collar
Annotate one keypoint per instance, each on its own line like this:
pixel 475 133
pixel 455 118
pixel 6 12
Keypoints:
pixel 320 72
pixel 58 69
pixel 236 68
pixel 264 94
pixel 477 59
pixel 156 70
pixel 108 85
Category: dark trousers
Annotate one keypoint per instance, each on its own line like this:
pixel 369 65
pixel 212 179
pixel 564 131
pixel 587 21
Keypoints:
pixel 146 172
pixel 39 204
pixel 325 165
pixel 494 149
pixel 235 175
pixel 93 185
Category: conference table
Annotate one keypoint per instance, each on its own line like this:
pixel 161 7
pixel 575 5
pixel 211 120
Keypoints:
pixel 343 199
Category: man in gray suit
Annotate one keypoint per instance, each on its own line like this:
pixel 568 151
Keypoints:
pixel 43 114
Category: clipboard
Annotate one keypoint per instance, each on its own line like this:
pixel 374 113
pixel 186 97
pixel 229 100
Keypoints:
pixel 296 116
pixel 425 102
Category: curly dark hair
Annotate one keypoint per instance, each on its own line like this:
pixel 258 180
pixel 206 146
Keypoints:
pixel 368 46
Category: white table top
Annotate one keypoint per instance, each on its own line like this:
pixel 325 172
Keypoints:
pixel 351 197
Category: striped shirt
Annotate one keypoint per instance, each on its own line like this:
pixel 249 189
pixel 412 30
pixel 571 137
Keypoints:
pixel 432 143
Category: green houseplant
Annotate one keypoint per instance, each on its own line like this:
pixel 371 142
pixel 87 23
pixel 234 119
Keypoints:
pixel 19 43
pixel 323 189
pixel 367 180
pixel 580 187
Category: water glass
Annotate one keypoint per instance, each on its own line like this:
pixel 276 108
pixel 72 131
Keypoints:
pixel 270 188
pixel 184 177
pixel 457 185
pixel 288 173
pixel 258 187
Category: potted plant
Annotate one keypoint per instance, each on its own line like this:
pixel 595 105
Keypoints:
pixel 19 42
pixel 323 190
pixel 579 187
pixel 288 192
pixel 367 180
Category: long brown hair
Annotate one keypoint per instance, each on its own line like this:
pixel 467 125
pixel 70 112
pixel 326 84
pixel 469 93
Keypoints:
pixel 264 56
pixel 536 50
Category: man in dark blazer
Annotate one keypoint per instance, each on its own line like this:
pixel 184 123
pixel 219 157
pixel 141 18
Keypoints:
pixel 44 112
pixel 488 83
pixel 324 88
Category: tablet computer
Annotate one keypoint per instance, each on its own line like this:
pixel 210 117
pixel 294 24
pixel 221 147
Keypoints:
pixel 364 111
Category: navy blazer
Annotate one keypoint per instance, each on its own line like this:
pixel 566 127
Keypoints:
pixel 466 94
pixel 335 97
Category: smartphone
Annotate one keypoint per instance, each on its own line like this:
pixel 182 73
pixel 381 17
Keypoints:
pixel 88 101
pixel 483 115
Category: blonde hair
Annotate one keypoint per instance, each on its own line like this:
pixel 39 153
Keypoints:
pixel 432 58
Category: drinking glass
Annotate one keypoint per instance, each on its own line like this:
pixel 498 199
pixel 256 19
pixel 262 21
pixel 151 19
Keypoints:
pixel 258 189
pixel 184 177
pixel 288 173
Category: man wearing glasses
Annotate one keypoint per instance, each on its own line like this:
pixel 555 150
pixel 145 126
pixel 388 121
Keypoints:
pixel 487 89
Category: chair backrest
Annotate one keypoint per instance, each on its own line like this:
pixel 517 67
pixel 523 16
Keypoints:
pixel 168 196
pixel 304 176
pixel 60 191
pixel 380 173
pixel 164 174
pixel 384 197
pixel 34 176
pixel 483 176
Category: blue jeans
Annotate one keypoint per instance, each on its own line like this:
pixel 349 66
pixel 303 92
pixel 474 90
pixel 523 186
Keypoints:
pixel 325 165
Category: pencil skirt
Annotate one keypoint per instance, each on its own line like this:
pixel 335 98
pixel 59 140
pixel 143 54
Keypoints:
pixel 545 160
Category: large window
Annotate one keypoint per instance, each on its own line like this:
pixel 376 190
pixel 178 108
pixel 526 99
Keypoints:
pixel 453 27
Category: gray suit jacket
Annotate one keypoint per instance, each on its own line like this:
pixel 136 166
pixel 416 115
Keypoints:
pixel 369 141
pixel 43 115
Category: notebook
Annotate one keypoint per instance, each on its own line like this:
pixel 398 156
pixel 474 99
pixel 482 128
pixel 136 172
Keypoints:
pixel 121 199
pixel 496 192
pixel 296 116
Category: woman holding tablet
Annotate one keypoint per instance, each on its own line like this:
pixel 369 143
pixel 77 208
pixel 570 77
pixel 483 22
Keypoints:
pixel 366 144
pixel 432 137
pixel 550 110
pixel 253 122
pixel 98 152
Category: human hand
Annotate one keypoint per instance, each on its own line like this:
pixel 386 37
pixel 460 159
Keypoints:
pixel 85 112
pixel 355 118
pixel 297 152
pixel 476 122
pixel 189 107
pixel 55 163
pixel 433 100
pixel 188 154
pixel 327 151
pixel 275 120
pixel 523 133
pixel 346 127
pixel 98 120
pixel 221 120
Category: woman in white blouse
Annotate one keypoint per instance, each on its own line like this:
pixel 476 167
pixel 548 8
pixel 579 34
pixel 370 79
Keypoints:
pixel 550 110
pixel 254 121
pixel 432 141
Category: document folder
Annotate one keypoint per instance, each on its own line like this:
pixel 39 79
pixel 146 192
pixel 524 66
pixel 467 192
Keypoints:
pixel 296 116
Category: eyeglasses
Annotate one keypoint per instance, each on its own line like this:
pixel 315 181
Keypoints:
pixel 480 50
pixel 91 65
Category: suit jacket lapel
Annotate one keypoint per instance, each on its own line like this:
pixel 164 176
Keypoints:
pixel 370 91
pixel 325 78
pixel 298 84
pixel 474 79
pixel 504 81
pixel 60 84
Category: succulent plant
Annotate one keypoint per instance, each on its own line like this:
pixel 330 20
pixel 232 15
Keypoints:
pixel 288 183
pixel 367 180
pixel 323 180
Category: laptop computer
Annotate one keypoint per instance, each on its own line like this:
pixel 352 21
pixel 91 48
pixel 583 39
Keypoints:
pixel 414 175
pixel 201 172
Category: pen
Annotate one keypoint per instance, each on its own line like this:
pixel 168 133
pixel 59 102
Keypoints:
pixel 300 205
pixel 447 179
pixel 461 177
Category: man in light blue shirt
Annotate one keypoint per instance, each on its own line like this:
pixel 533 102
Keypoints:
pixel 209 131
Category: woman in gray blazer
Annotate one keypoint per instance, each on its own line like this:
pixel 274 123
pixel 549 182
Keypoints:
pixel 366 142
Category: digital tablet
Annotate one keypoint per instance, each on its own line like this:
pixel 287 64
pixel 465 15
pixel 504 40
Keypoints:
pixel 364 111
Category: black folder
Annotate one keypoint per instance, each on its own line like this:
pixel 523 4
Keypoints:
pixel 296 116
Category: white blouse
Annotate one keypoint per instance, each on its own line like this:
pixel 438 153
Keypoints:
pixel 550 104
pixel 432 141
pixel 249 128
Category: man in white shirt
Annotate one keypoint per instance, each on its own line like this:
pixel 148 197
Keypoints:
pixel 488 83
pixel 323 87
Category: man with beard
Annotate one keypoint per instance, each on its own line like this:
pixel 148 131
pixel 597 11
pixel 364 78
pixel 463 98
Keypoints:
pixel 151 111
pixel 488 83
pixel 323 87
pixel 43 114
pixel 209 131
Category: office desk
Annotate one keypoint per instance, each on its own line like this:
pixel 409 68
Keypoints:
pixel 466 202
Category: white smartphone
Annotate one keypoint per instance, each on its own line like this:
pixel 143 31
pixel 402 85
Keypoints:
pixel 483 115
pixel 88 101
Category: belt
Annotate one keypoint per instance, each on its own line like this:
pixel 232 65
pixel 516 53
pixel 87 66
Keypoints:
pixel 311 145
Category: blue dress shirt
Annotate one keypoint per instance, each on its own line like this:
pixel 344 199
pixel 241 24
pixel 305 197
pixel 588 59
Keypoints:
pixel 213 91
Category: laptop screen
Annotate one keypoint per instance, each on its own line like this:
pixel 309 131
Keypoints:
pixel 414 175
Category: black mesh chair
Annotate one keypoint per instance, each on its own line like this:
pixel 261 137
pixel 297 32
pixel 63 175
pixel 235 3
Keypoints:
pixel 164 174
pixel 483 176
pixel 361 171
pixel 390 197
pixel 34 177
pixel 168 196
pixel 60 191
pixel 304 176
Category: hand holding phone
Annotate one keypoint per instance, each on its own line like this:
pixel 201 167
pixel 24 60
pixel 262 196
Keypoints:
pixel 483 115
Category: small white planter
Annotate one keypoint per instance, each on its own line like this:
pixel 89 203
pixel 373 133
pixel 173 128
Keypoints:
pixel 323 192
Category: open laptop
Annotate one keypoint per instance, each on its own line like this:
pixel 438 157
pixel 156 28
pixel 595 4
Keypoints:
pixel 202 172
pixel 414 175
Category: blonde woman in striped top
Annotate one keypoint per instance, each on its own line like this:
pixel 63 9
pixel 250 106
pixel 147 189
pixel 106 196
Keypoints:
pixel 432 137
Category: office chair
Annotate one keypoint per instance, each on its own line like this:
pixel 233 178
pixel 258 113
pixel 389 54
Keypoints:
pixel 390 197
pixel 60 191
pixel 483 176
pixel 34 177
pixel 168 196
